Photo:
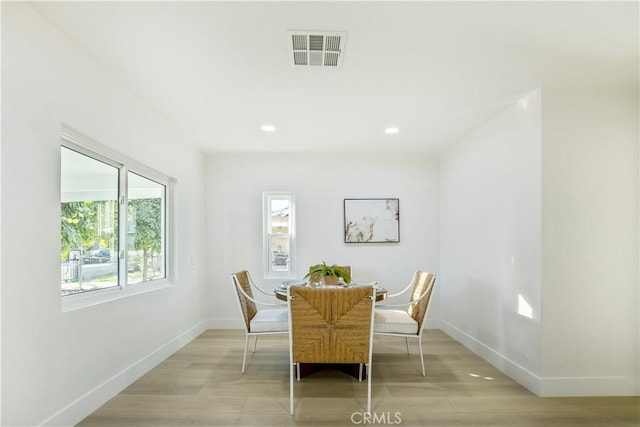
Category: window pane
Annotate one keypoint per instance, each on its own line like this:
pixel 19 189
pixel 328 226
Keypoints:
pixel 279 245
pixel 88 223
pixel 280 216
pixel 145 229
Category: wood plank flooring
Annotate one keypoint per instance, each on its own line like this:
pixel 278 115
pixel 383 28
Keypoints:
pixel 201 385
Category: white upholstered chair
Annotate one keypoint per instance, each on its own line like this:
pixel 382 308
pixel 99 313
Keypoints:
pixel 257 322
pixel 406 320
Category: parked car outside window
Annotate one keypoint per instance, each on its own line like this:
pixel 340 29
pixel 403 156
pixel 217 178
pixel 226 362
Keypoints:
pixel 98 256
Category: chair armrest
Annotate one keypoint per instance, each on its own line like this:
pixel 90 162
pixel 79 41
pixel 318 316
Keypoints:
pixel 270 294
pixel 406 304
pixel 253 284
pixel 397 294
pixel 255 301
pixel 409 286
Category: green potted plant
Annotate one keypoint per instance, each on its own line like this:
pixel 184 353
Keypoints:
pixel 328 274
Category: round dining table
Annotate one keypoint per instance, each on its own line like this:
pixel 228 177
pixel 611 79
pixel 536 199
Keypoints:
pixel 281 291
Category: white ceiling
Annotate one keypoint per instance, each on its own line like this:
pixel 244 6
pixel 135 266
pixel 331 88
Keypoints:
pixel 436 70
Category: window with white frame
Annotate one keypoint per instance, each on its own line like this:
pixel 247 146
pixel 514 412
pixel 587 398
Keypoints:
pixel 279 234
pixel 114 220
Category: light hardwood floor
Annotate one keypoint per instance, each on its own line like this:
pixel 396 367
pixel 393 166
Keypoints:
pixel 201 385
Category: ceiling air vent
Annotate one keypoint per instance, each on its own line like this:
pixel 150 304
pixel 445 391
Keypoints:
pixel 317 48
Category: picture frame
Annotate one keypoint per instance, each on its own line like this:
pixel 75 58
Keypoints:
pixel 372 220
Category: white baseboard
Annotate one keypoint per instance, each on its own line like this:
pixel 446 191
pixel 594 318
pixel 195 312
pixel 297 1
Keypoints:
pixel 92 400
pixel 516 372
pixel 546 386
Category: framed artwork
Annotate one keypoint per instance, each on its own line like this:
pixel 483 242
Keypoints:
pixel 371 220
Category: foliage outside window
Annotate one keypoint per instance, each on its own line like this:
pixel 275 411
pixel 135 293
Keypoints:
pixel 113 222
pixel 145 230
pixel 279 234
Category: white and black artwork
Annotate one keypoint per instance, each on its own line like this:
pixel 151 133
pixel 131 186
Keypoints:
pixel 371 220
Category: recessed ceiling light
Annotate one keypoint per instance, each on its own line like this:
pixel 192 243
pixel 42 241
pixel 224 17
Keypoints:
pixel 268 128
pixel 391 131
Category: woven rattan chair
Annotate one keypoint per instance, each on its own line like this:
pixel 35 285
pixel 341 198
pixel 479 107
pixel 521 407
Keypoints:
pixel 331 325
pixel 407 323
pixel 257 322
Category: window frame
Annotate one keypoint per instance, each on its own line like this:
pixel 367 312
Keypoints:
pixel 267 197
pixel 73 140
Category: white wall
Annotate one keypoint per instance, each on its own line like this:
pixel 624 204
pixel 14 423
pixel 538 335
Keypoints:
pixel 543 203
pixel 490 240
pixel 57 367
pixel 590 241
pixel 235 183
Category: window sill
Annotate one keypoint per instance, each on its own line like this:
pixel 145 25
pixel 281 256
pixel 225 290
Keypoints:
pixel 88 299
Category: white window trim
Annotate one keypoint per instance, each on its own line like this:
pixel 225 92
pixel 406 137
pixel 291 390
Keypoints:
pixel 85 145
pixel 266 218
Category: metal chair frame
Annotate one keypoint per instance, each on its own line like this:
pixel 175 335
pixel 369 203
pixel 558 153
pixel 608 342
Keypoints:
pixel 426 294
pixel 247 320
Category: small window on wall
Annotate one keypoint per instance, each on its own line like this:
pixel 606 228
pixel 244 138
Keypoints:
pixel 279 235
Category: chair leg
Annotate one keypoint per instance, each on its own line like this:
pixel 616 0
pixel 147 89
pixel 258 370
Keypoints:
pixel 255 343
pixel 244 356
pixel 368 388
pixel 421 356
pixel 291 389
pixel 298 371
pixel 406 341
pixel 360 373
